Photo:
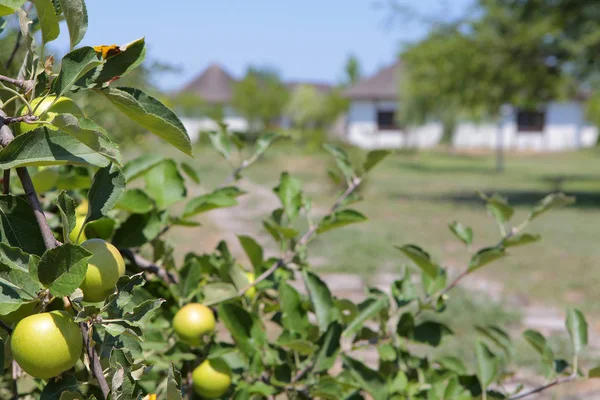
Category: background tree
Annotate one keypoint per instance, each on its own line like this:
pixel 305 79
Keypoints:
pixel 352 70
pixel 310 109
pixel 260 97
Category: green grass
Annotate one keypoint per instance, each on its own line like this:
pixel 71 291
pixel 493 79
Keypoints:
pixel 411 197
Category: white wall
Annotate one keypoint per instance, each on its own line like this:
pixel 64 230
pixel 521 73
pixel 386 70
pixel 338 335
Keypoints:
pixel 362 129
pixel 234 122
pixel 565 129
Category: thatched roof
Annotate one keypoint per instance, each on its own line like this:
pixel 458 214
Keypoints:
pixel 381 86
pixel 214 85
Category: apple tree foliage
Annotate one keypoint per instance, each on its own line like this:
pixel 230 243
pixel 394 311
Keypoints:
pixel 284 334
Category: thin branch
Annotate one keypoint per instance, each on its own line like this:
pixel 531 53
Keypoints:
pixel 302 373
pixel 22 83
pixel 149 266
pixel 34 202
pixel 23 118
pixel 454 282
pixel 16 374
pixel 555 382
pixel 6 327
pixel 6 182
pixel 95 365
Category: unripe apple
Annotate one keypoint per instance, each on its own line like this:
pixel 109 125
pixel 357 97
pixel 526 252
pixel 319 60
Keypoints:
pixel 192 322
pixel 104 269
pixel 44 179
pixel 63 105
pixel 79 221
pixel 211 379
pixel 46 344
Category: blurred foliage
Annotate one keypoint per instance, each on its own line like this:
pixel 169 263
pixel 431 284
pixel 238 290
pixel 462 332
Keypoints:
pixel 308 108
pixel 260 97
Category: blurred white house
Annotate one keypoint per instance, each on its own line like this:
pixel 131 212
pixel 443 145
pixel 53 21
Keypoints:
pixel 371 122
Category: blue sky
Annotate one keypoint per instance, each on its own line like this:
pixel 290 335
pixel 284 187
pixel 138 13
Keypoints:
pixel 303 39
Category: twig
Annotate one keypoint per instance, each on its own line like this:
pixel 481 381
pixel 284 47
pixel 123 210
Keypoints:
pixel 95 365
pixel 16 374
pixel 23 118
pixel 302 373
pixel 149 266
pixel 555 382
pixel 6 327
pixel 303 240
pixel 454 282
pixel 22 83
pixel 6 182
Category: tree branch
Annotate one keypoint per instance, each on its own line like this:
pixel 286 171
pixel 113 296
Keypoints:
pixel 34 202
pixel 26 85
pixel 95 365
pixel 149 266
pixel 553 383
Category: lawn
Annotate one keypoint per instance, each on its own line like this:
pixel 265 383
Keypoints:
pixel 411 197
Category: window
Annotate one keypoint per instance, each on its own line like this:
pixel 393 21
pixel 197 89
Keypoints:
pixel 530 121
pixel 386 121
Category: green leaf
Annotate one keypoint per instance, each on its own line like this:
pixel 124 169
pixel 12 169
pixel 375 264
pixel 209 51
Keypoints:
pixel 420 258
pixel 463 233
pixel 48 20
pixel 253 251
pixel 74 66
pixel 135 201
pixel 218 292
pixel 128 57
pixel 107 187
pixel 89 133
pixel 77 19
pixel 151 114
pixel 289 192
pixel 139 229
pixel 520 239
pixel 340 218
pixel 367 379
pixel 55 387
pixel 173 384
pixel 539 343
pixel 240 324
pixel 294 318
pixel 221 142
pixel 553 200
pixel 8 7
pixel 578 329
pixel 301 346
pixel 430 332
pixel 374 157
pixel 498 207
pixel 497 336
pixel 18 226
pixel 341 159
pixel 486 365
pixel 264 141
pixel 62 269
pixel 143 313
pixel 165 184
pixel 404 291
pixel 103 228
pixel 329 346
pixel 45 147
pixel 190 172
pixel 124 290
pixel 16 284
pixel 66 207
pixel 219 198
pixel 485 256
pixel 321 299
pixel 453 364
pixel 140 165
pixel 370 311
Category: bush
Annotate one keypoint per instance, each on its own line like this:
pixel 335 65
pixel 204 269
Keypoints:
pixel 272 338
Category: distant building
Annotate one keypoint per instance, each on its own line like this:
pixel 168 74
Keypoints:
pixel 372 122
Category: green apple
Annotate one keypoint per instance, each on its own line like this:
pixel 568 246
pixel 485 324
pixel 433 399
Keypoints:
pixel 105 268
pixel 44 179
pixel 47 344
pixel 63 105
pixel 211 379
pixel 79 221
pixel 192 322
